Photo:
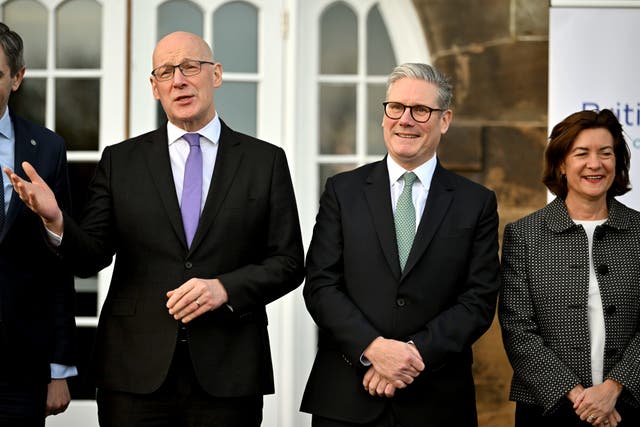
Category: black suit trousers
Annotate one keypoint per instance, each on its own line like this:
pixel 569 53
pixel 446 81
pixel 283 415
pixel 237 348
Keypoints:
pixel 179 402
pixel 387 419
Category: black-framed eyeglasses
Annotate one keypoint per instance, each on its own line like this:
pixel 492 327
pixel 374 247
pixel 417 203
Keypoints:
pixel 420 113
pixel 189 67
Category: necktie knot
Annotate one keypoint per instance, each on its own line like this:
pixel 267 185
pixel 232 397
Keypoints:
pixel 409 178
pixel 192 138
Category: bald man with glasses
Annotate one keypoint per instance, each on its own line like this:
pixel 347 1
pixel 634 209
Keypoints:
pixel 203 224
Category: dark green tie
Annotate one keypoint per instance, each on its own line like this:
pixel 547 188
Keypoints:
pixel 405 219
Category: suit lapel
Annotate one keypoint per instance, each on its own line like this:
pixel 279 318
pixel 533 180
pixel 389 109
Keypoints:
pixel 26 150
pixel 159 167
pixel 438 201
pixel 378 196
pixel 227 163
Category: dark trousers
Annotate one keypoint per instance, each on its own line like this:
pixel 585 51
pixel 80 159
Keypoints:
pixel 387 419
pixel 179 402
pixel 531 416
pixel 22 405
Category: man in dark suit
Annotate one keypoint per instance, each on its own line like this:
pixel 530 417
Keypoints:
pixel 37 322
pixel 402 275
pixel 182 338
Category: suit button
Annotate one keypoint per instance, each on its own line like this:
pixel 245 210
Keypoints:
pixel 611 352
pixel 346 359
pixel 603 269
pixel 400 302
pixel 188 265
pixel 610 310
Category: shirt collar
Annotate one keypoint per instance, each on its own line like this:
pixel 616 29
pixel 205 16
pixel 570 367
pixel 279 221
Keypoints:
pixel 211 131
pixel 424 171
pixel 6 128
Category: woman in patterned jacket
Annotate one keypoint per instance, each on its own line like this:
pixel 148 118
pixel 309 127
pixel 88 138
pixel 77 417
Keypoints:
pixel 570 300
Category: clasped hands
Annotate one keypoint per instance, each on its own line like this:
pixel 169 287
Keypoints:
pixel 596 404
pixel 394 365
pixel 195 297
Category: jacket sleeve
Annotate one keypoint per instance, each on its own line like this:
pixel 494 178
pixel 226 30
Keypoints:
pixel 324 292
pixel 63 304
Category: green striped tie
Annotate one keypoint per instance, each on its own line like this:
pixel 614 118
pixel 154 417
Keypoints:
pixel 405 219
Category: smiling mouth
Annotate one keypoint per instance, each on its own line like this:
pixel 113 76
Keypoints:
pixel 594 177
pixel 406 135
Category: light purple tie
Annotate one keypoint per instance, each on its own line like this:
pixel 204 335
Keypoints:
pixel 192 187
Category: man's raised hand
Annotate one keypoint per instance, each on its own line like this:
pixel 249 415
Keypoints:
pixel 38 197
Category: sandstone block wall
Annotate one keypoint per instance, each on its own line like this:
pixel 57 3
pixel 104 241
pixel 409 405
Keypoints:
pixel 496 54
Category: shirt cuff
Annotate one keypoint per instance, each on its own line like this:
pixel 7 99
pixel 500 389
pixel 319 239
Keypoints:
pixel 54 239
pixel 364 360
pixel 59 372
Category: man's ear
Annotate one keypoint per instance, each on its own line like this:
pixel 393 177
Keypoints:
pixel 16 80
pixel 445 121
pixel 217 74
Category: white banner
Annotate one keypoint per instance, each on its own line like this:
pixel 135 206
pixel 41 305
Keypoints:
pixel 594 63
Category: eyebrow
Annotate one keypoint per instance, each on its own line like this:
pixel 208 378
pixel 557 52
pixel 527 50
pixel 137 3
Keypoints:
pixel 579 148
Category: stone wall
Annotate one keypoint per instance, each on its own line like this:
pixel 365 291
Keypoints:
pixel 496 54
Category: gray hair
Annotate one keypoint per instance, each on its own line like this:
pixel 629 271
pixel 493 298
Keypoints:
pixel 11 43
pixel 428 74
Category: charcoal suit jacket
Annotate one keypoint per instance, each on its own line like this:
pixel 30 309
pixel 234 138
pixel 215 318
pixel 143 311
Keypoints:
pixel 37 324
pixel 248 237
pixel 443 301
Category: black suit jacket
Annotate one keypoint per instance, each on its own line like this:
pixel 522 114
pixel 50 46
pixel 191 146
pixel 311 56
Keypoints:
pixel 248 237
pixel 37 323
pixel 443 301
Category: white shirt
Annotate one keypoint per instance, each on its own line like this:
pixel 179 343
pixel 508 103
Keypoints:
pixel 595 313
pixel 420 189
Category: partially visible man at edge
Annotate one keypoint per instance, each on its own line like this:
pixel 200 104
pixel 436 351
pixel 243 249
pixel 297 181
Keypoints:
pixel 37 298
pixel 182 338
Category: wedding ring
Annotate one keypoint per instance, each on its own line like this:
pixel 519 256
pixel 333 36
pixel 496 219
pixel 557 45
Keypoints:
pixel 591 418
pixel 197 303
pixel 605 422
